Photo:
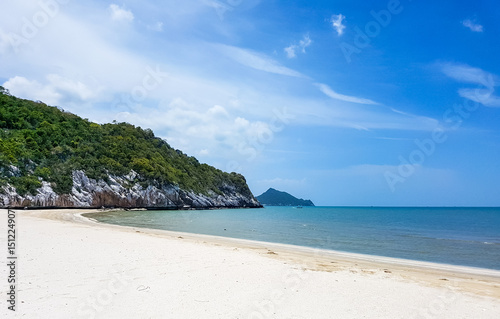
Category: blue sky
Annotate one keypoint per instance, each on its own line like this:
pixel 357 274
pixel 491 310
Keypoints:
pixel 343 102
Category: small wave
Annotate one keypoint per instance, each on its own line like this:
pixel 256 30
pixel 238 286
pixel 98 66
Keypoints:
pixel 469 241
pixel 451 239
pixel 490 243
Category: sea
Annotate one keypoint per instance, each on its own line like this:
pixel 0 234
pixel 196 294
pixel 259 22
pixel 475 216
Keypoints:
pixel 457 236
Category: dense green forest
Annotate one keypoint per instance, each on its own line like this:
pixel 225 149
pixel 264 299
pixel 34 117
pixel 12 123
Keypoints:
pixel 47 143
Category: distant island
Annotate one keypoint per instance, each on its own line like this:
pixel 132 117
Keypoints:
pixel 273 197
pixel 53 158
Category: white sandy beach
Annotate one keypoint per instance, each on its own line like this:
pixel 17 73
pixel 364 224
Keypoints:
pixel 71 267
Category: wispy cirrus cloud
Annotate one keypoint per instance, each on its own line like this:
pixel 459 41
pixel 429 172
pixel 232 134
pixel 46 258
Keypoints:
pixel 346 98
pixel 291 51
pixel 472 25
pixel 337 23
pixel 467 74
pixel 483 96
pixel 256 60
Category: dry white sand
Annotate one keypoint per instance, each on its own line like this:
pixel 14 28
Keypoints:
pixel 70 267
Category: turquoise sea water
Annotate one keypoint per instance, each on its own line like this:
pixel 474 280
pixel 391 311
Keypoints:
pixel 460 236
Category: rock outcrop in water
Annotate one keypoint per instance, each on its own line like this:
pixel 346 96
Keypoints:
pixel 123 191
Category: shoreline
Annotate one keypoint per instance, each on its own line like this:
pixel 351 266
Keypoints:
pixel 73 266
pixel 317 259
pixel 139 208
pixel 312 250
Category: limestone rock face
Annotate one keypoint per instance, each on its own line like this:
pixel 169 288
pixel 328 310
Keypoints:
pixel 122 191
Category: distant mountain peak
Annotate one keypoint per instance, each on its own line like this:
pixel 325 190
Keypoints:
pixel 274 197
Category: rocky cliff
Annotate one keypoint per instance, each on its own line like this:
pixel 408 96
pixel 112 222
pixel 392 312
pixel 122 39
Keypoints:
pixel 123 191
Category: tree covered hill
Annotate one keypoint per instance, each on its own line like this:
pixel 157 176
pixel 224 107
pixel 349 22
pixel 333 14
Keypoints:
pixel 41 143
pixel 273 197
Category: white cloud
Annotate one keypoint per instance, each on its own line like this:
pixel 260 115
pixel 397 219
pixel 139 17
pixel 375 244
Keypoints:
pixel 257 61
pixel 468 74
pixel 55 91
pixel 241 122
pixel 218 110
pixel 472 25
pixel 74 88
pixel 20 86
pixel 303 44
pixel 214 132
pixel 483 96
pixel 334 95
pixel 337 24
pixel 120 14
pixel 290 51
